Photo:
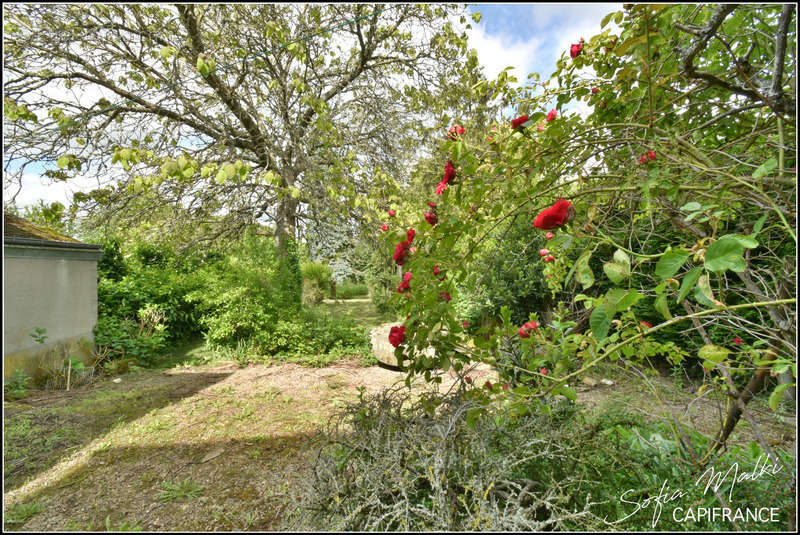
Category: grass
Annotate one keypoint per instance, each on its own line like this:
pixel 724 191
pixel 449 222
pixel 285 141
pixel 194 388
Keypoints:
pixel 180 490
pixel 22 512
pixel 359 310
pixel 143 453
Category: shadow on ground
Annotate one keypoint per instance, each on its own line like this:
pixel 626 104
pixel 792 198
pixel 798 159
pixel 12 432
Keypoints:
pixel 247 484
pixel 41 431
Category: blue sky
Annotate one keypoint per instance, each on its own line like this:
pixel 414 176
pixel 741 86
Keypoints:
pixel 528 37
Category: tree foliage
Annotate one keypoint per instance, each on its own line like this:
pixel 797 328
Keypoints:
pixel 250 112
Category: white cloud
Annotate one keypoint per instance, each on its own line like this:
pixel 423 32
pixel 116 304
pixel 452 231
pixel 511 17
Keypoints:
pixel 36 188
pixel 496 52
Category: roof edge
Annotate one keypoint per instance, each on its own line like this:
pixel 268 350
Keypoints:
pixel 34 242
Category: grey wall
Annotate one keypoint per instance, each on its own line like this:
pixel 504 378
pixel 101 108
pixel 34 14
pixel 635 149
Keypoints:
pixel 43 289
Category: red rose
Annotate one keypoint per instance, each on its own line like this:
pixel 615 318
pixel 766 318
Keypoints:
pixel 449 172
pixel 549 236
pixel 552 114
pixel 391 213
pixel 737 341
pixel 575 50
pixel 595 90
pixel 436 270
pixel 400 252
pixel 455 130
pixel 543 371
pixel 403 287
pixel 468 379
pixel 651 155
pixel 444 296
pixel 397 335
pixel 643 158
pixel 430 218
pixel 505 386
pixel 432 204
pixel 519 121
pixel 384 228
pixel 523 332
pixel 465 324
pixel 550 258
pixel 646 324
pixel 531 325
pixel 440 187
pixel 488 385
pixel 555 216
pixel 407 276
pixel 544 252
pixel 410 235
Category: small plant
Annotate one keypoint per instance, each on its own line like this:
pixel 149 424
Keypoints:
pixel 17 385
pixel 19 513
pixel 183 489
pixel 39 335
pixel 125 526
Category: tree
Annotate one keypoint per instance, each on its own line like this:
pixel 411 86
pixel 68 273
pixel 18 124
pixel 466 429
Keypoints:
pixel 252 112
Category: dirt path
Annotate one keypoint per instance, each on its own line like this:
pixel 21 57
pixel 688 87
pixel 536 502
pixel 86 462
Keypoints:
pixel 241 435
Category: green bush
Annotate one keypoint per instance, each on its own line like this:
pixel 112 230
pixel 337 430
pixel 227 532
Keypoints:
pixel 142 340
pixel 143 287
pixel 318 272
pixel 510 275
pixel 112 265
pixel 313 336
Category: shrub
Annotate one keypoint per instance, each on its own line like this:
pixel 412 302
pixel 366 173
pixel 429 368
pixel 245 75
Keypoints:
pixel 142 340
pixel 452 462
pixel 144 287
pixel 317 272
pixel 16 386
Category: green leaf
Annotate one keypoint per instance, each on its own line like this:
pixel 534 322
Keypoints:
pixel 726 253
pixel 630 299
pixel 476 17
pixel 759 224
pixel 662 306
pixel 568 392
pixel 703 293
pixel 622 258
pixel 583 273
pixel 775 397
pixel 615 272
pixel 618 269
pixel 600 322
pixel 63 161
pixel 712 355
pixel 765 168
pixel 689 280
pixel 669 264
pixel 693 206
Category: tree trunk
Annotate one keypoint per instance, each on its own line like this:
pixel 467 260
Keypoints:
pixel 286 217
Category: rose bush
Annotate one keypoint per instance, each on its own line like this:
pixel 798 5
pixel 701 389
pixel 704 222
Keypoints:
pixel 702 231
